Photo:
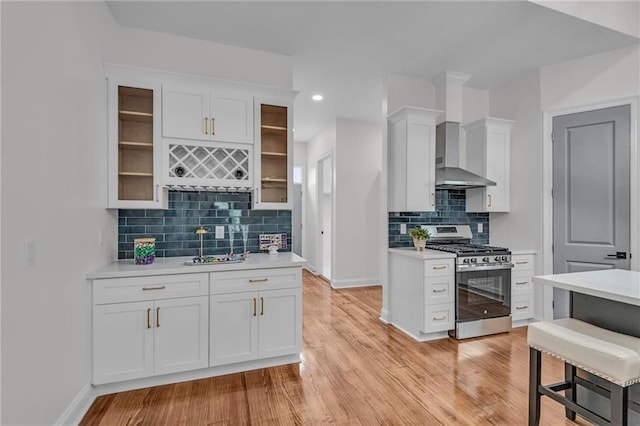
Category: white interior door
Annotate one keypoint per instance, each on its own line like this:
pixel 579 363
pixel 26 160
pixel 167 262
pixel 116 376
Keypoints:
pixel 325 217
pixel 591 181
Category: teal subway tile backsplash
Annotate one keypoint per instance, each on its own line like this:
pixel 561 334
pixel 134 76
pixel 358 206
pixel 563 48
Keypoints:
pixel 174 228
pixel 450 209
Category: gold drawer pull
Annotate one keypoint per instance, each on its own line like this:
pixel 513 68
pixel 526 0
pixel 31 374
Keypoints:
pixel 521 262
pixel 522 282
pixel 522 307
pixel 258 280
pixel 439 267
pixel 442 290
pixel 442 318
pixel 162 287
pixel 148 317
pixel 157 317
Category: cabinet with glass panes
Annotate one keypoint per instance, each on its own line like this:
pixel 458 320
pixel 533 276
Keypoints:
pixel 273 155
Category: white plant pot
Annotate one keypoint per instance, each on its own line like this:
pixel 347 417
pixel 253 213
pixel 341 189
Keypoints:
pixel 419 244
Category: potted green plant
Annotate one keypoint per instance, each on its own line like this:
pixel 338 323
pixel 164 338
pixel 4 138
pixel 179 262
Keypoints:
pixel 420 237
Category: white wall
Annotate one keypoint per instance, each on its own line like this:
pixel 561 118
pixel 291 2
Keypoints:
pixel 53 150
pixel 358 162
pixel 521 228
pixel 300 160
pixel 322 144
pixel 53 191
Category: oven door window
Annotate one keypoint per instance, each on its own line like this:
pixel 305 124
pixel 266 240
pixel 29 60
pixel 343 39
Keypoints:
pixel 483 294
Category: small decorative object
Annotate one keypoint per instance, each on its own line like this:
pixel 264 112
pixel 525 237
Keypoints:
pixel 420 237
pixel 278 240
pixel 200 232
pixel 144 251
pixel 245 237
pixel 231 232
pixel 273 249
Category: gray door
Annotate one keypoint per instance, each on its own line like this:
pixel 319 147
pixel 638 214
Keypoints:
pixel 296 222
pixel 590 194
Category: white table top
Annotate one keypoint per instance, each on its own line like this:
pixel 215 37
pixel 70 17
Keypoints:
pixel 176 265
pixel 612 284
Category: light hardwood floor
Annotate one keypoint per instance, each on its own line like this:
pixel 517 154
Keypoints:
pixel 356 371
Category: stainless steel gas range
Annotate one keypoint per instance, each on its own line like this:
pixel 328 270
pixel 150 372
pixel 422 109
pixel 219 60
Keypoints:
pixel 483 282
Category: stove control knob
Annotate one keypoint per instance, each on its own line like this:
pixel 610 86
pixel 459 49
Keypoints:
pixel 474 260
pixel 497 259
pixel 504 258
pixel 485 259
pixel 466 260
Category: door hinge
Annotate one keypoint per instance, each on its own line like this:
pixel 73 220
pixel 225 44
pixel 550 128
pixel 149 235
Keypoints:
pixel 551 192
pixel 551 248
pixel 553 304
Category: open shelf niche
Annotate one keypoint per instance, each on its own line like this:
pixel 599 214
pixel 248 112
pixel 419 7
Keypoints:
pixel 274 132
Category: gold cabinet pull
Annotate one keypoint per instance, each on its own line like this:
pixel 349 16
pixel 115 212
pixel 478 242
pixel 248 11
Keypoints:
pixel 157 193
pixel 522 307
pixel 439 267
pixel 442 290
pixel 161 287
pixel 258 280
pixel 521 262
pixel 254 307
pixel 148 317
pixel 262 306
pixel 213 126
pixel 522 282
pixel 158 317
pixel 442 318
pixel 206 125
pixel 489 195
pixel 433 199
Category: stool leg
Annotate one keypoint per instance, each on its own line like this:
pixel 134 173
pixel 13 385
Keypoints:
pixel 570 394
pixel 619 405
pixel 535 373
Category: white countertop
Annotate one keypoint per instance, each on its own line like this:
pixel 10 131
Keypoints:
pixel 424 254
pixel 176 265
pixel 613 284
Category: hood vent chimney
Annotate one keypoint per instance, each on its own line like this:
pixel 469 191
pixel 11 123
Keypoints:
pixel 449 175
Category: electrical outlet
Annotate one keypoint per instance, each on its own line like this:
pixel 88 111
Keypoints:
pixel 403 228
pixel 219 232
pixel 480 228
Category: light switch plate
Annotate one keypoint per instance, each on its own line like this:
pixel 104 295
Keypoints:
pixel 30 252
pixel 403 228
pixel 480 228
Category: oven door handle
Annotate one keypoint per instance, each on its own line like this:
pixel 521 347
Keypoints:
pixel 483 267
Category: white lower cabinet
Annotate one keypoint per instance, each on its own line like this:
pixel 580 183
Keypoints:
pixel 522 294
pixel 142 327
pixel 258 324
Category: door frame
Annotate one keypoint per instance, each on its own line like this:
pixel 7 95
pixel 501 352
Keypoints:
pixel 547 184
pixel 320 218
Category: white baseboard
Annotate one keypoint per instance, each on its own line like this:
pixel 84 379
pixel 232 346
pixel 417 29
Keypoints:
pixel 358 282
pixel 309 267
pixel 78 407
pixel 384 315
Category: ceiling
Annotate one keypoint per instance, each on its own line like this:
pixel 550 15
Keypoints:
pixel 343 49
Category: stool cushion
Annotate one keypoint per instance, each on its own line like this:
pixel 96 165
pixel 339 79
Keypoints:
pixel 610 355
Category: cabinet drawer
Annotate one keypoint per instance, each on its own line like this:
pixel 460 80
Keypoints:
pixel 115 290
pixel 438 267
pixel 522 307
pixel 521 283
pixel 522 262
pixel 439 290
pixel 438 317
pixel 254 280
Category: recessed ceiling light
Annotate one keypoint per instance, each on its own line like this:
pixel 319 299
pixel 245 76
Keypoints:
pixel 317 97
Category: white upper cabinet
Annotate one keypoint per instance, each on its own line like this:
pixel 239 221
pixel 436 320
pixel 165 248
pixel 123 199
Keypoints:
pixel 204 113
pixel 134 144
pixel 411 159
pixel 488 153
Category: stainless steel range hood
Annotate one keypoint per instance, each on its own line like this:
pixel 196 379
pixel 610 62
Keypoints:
pixel 448 173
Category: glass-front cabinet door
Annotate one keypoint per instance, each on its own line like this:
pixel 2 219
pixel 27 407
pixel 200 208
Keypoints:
pixel 134 154
pixel 273 161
